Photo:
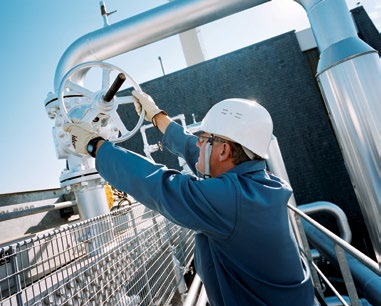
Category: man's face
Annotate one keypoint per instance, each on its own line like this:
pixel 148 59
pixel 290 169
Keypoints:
pixel 202 143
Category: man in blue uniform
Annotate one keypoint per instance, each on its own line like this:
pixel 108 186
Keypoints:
pixel 245 252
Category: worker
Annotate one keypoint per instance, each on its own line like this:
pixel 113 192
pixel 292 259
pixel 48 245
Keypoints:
pixel 245 250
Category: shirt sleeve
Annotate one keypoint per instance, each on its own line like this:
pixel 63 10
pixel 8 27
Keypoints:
pixel 181 198
pixel 180 142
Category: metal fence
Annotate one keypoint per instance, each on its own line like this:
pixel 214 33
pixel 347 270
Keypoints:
pixel 131 256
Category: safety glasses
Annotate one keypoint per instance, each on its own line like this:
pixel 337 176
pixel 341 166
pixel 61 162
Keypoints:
pixel 202 137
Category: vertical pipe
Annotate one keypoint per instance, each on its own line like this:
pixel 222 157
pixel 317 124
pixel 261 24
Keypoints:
pixel 349 76
pixel 192 48
pixel 92 202
pixel 276 165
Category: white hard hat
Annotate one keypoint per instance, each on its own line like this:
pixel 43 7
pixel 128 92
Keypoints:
pixel 243 121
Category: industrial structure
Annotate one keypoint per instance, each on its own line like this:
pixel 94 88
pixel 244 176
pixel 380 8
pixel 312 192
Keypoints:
pixel 89 244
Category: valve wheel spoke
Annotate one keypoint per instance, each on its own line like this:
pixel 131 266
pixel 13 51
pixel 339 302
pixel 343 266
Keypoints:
pixel 90 115
pixel 106 73
pixel 79 89
pixel 119 124
pixel 125 100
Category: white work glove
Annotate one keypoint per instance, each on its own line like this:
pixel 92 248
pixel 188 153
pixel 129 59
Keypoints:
pixel 81 133
pixel 149 105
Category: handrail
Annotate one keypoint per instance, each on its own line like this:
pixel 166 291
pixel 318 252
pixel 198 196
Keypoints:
pixel 370 263
pixel 355 266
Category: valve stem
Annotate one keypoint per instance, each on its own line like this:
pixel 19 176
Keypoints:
pixel 114 87
pixel 104 13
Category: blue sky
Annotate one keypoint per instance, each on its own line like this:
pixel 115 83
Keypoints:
pixel 34 35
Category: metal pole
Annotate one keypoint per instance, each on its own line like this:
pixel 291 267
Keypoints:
pixel 193 291
pixel 161 64
pixel 35 210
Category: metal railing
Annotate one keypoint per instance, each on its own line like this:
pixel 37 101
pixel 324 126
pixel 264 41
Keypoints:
pixel 131 256
pixel 36 210
pixel 340 248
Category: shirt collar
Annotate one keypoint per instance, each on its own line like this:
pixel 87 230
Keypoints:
pixel 249 166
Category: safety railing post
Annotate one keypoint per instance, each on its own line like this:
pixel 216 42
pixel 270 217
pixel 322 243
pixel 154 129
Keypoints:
pixel 307 252
pixel 347 275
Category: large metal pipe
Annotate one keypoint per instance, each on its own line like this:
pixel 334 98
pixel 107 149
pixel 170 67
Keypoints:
pixel 336 211
pixel 145 28
pixel 349 76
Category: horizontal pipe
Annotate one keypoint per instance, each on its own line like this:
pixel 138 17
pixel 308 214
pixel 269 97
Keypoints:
pixel 35 210
pixel 164 21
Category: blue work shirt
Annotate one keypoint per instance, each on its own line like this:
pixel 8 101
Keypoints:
pixel 245 251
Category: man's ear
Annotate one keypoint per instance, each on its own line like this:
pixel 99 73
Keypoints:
pixel 225 151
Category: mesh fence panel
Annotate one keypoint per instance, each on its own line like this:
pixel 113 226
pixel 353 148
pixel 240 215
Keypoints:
pixel 131 256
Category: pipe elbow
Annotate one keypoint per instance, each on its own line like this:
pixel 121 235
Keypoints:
pixel 336 211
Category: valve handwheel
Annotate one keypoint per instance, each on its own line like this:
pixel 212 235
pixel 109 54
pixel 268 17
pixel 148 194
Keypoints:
pixel 77 99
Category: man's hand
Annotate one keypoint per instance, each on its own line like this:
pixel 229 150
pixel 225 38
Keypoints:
pixel 149 105
pixel 81 133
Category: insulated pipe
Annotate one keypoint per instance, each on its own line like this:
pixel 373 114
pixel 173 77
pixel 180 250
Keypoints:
pixel 92 200
pixel 203 298
pixel 193 291
pixel 276 165
pixel 349 76
pixel 341 218
pixel 148 27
